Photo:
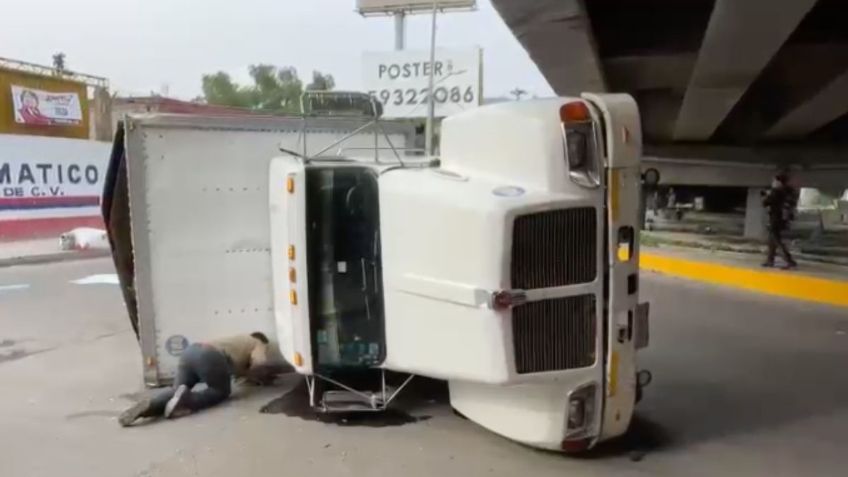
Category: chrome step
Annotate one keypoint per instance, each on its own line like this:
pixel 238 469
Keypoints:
pixel 347 401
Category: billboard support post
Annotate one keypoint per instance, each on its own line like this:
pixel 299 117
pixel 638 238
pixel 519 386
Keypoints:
pixel 400 30
pixel 431 102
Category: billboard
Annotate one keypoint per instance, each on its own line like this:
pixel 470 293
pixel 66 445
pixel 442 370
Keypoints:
pixel 400 80
pixel 46 108
pixel 46 182
pixel 389 6
pixel 53 93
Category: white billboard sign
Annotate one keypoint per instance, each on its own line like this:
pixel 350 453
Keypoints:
pixel 44 177
pixel 388 6
pixel 45 108
pixel 400 80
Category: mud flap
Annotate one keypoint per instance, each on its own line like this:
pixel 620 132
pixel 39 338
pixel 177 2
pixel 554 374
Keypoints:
pixel 643 334
pixel 116 215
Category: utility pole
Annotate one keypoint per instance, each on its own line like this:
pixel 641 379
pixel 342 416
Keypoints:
pixel 431 102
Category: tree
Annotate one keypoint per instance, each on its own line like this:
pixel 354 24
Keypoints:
pixel 274 90
pixel 518 93
pixel 219 88
pixel 321 82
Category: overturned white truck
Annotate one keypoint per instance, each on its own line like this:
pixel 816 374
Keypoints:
pixel 508 266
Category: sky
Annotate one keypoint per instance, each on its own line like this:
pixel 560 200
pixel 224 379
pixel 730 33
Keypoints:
pixel 145 46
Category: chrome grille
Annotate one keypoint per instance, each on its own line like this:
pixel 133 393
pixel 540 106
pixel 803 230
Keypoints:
pixel 554 334
pixel 554 248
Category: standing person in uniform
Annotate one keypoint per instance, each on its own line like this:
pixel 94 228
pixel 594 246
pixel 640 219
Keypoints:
pixel 213 363
pixel 779 202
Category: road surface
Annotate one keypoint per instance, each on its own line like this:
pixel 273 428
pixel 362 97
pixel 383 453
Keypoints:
pixel 743 385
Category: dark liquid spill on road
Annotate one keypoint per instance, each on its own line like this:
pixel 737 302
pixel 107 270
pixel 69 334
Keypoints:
pixel 295 403
pixel 642 437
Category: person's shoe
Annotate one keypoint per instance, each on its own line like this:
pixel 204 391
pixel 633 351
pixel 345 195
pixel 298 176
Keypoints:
pixel 177 400
pixel 128 417
pixel 180 412
pixel 767 264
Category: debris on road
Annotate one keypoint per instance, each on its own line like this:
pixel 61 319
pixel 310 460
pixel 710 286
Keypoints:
pixel 84 238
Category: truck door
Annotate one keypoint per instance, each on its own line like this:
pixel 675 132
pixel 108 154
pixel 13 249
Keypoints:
pixel 287 206
pixel 327 273
pixel 623 144
pixel 344 267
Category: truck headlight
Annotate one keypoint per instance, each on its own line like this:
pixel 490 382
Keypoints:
pixel 581 409
pixel 576 413
pixel 576 146
pixel 581 145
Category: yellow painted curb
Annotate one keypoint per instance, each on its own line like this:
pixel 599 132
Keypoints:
pixel 786 284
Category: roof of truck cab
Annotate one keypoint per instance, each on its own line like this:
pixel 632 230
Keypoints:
pixel 382 166
pixel 530 107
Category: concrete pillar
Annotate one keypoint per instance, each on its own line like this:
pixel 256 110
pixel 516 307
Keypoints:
pixel 755 214
pixel 102 109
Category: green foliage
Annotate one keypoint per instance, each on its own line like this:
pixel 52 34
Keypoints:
pixel 274 90
pixel 219 88
pixel 321 82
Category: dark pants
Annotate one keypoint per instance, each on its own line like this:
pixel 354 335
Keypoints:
pixel 198 364
pixel 775 243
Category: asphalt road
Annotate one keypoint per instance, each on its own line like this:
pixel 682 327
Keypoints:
pixel 743 385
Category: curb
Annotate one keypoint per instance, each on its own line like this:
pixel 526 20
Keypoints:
pixel 803 252
pixel 784 284
pixel 53 258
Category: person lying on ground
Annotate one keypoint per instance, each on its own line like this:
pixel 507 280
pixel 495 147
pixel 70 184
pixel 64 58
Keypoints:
pixel 214 363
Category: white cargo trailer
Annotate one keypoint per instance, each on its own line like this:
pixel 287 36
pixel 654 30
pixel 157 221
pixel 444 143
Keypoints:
pixel 190 225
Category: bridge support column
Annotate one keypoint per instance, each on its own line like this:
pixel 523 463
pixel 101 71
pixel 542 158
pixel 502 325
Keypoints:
pixel 755 215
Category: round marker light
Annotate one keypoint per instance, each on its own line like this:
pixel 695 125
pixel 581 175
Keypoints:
pixel 651 177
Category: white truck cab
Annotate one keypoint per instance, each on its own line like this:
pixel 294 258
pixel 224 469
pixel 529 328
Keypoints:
pixel 508 267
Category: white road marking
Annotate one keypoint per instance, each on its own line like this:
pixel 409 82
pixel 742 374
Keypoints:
pixel 18 286
pixel 99 279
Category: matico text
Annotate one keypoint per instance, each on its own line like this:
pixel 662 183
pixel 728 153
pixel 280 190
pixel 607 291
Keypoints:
pixel 37 179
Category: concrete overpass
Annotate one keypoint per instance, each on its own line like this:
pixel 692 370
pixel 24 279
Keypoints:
pixel 729 90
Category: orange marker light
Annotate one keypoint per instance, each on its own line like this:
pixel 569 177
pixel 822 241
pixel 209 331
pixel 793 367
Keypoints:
pixel 298 359
pixel 151 362
pixel 290 185
pixel 574 112
pixel 624 252
pixel 291 252
pixel 292 275
pixel 293 297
